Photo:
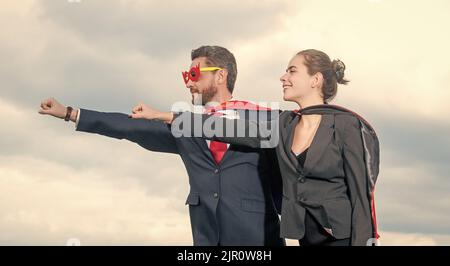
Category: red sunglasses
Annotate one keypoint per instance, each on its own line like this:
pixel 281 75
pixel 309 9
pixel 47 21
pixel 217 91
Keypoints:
pixel 194 73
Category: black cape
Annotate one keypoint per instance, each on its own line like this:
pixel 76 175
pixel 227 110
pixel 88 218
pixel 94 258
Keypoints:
pixel 371 151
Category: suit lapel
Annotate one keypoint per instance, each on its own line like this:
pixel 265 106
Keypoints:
pixel 287 136
pixel 322 138
pixel 205 149
pixel 320 142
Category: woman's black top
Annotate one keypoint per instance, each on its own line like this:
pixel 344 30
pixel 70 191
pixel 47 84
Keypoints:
pixel 302 157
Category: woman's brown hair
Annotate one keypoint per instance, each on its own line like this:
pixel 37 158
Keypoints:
pixel 332 71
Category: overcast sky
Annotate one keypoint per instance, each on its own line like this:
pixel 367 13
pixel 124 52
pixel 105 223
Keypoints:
pixel 57 184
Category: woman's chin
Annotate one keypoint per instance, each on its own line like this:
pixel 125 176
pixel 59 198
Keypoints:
pixel 286 97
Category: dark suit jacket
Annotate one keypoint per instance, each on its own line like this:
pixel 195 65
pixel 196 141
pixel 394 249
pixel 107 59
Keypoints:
pixel 332 185
pixel 230 203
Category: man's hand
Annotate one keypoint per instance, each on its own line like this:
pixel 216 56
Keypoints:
pixel 52 107
pixel 143 111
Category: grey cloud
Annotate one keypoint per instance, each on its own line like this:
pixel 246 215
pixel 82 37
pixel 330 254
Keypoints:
pixel 30 134
pixel 413 189
pixel 420 140
pixel 161 29
pixel 156 35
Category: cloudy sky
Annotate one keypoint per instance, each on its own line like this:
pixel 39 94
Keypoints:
pixel 57 184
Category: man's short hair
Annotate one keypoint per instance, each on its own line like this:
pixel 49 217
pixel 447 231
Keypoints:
pixel 219 57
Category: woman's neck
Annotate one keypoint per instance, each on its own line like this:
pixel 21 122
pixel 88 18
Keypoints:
pixel 310 120
pixel 306 102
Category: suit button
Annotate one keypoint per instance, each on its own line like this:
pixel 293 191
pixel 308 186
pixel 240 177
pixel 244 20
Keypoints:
pixel 301 199
pixel 301 180
pixel 216 195
pixel 216 171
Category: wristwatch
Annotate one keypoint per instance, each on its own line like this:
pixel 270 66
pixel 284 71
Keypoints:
pixel 68 113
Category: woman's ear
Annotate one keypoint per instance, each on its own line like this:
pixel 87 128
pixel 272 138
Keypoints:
pixel 317 80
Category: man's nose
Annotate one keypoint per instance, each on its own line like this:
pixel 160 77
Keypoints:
pixel 190 84
pixel 283 77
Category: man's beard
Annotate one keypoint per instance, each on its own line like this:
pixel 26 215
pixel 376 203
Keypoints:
pixel 205 97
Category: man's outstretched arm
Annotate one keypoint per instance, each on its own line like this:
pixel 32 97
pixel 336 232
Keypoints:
pixel 152 135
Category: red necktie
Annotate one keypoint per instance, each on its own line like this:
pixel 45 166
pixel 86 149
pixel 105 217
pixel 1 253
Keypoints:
pixel 218 150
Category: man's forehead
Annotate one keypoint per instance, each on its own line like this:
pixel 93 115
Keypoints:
pixel 196 61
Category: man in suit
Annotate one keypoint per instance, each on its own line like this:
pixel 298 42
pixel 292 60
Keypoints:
pixel 234 190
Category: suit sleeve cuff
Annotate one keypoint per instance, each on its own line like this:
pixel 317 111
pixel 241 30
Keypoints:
pixel 78 118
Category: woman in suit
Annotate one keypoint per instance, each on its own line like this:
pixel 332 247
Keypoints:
pixel 322 155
